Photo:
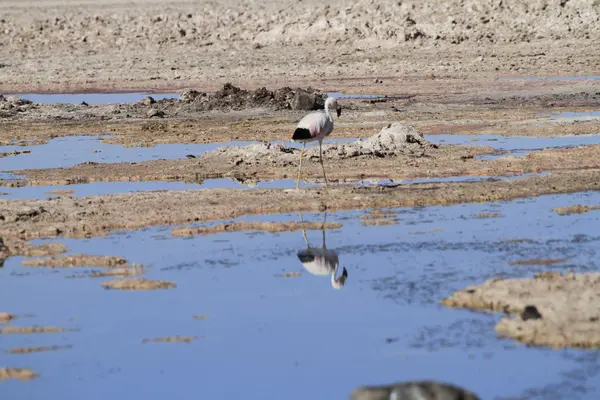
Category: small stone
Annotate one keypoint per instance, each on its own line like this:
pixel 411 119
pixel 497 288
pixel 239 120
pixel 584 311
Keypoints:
pixel 147 101
pixel 530 312
pixel 155 113
pixel 17 101
pixel 187 96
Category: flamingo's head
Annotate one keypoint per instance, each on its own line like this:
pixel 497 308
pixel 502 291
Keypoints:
pixel 338 283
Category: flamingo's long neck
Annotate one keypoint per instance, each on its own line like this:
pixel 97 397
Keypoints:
pixel 334 273
pixel 327 111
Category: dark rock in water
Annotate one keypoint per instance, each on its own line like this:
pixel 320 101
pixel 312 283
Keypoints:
pixel 530 312
pixel 304 100
pixel 419 390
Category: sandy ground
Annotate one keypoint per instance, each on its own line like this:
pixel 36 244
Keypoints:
pixel 551 309
pixel 138 284
pixel 85 44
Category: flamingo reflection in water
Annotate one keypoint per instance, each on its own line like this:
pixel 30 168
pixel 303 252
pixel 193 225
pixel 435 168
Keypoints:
pixel 321 261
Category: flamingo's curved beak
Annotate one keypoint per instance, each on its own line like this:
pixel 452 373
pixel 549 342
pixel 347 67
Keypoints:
pixel 339 111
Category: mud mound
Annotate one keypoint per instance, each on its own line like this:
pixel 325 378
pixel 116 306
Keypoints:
pixel 394 140
pixel 231 97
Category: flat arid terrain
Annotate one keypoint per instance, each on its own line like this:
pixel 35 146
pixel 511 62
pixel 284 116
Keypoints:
pixel 148 177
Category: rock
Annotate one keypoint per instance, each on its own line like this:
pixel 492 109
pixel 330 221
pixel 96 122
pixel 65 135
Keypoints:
pixel 304 100
pixel 155 113
pixel 2 98
pixel 530 312
pixel 147 101
pixel 188 96
pixel 419 390
pixel 17 101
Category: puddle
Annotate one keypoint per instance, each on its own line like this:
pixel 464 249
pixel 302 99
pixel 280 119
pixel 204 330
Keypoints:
pixel 518 146
pixel 72 150
pixel 94 98
pixel 571 114
pixel 383 325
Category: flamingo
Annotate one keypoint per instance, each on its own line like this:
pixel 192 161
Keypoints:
pixel 321 261
pixel 316 126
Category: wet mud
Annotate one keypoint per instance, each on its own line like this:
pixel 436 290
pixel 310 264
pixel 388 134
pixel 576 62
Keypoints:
pixel 39 349
pixel 138 284
pixel 98 216
pixel 576 209
pixel 76 260
pixel 5 317
pixel 254 226
pixel 10 329
pixel 550 309
pixel 20 374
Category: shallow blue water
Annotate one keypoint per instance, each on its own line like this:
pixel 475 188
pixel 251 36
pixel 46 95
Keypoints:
pixel 571 114
pixel 267 336
pixel 518 146
pixel 94 98
pixel 72 150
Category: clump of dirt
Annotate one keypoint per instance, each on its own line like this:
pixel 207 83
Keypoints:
pixel 138 284
pixel 31 329
pixel 13 105
pixel 254 226
pixel 396 139
pixel 288 275
pixel 12 247
pixel 422 390
pixel 76 260
pixel 5 317
pixel 171 339
pixel 551 309
pixel 378 217
pixel 231 97
pixel 28 350
pixel 576 209
pixel 21 374
pixel 13 153
pixel 135 270
pixel 486 215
